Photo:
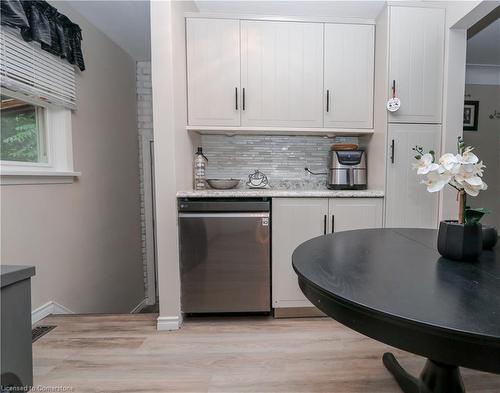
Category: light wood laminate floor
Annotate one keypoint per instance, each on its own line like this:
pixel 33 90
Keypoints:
pixel 125 353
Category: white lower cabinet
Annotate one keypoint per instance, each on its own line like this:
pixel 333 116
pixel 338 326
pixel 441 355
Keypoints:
pixel 295 220
pixel 347 214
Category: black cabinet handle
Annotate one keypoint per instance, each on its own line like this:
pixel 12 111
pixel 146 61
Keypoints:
pixel 333 223
pixel 324 225
pixel 243 99
pixel 328 100
pixel 236 97
pixel 392 152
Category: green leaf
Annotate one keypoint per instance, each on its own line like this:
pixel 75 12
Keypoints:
pixel 473 216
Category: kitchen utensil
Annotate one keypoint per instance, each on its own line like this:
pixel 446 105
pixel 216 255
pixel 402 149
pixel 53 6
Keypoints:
pixel 394 103
pixel 223 184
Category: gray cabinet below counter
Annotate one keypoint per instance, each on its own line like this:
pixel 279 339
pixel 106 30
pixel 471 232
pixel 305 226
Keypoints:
pixel 17 359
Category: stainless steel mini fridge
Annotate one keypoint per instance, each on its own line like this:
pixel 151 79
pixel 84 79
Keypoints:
pixel 225 255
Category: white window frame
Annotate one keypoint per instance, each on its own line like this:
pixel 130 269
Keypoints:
pixel 58 167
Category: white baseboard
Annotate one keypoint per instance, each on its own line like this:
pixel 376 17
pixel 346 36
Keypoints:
pixel 48 309
pixel 168 323
pixel 137 309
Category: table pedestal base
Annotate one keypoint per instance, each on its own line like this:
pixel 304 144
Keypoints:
pixel 435 377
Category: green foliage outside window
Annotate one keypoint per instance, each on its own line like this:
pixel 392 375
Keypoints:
pixel 19 133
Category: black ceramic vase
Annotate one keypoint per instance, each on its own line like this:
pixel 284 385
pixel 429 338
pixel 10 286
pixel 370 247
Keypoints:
pixel 490 237
pixel 459 241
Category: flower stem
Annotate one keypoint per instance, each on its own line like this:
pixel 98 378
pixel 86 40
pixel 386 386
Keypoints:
pixel 461 206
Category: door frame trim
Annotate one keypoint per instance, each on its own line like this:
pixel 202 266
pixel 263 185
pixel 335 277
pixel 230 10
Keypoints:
pixel 149 222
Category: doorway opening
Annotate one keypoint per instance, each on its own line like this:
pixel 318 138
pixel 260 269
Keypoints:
pixel 482 108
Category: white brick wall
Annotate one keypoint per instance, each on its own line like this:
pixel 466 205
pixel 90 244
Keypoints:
pixel 144 128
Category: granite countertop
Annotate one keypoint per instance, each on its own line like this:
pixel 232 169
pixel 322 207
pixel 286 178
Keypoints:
pixel 10 274
pixel 288 193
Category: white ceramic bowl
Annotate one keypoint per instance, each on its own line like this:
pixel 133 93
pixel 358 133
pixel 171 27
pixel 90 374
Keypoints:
pixel 223 184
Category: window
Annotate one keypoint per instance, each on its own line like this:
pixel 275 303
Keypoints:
pixel 37 97
pixel 35 141
pixel 22 131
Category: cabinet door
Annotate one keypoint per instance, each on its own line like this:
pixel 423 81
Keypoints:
pixel 349 67
pixel 407 202
pixel 282 74
pixel 294 220
pixel 416 63
pixel 346 214
pixel 213 71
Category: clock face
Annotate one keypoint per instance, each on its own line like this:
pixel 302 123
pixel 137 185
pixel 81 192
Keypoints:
pixel 393 104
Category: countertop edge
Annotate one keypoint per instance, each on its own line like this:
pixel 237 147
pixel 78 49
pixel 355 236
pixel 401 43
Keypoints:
pixel 10 274
pixel 281 193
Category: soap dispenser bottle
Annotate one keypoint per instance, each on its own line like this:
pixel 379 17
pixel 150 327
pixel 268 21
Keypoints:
pixel 200 167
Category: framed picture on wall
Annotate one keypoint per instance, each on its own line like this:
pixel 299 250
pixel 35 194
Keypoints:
pixel 471 115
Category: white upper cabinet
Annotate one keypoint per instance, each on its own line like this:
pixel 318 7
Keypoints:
pixel 253 74
pixel 416 56
pixel 213 71
pixel 281 74
pixel 348 83
pixel 407 202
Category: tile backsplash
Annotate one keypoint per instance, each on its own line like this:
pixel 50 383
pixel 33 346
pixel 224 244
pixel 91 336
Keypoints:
pixel 281 158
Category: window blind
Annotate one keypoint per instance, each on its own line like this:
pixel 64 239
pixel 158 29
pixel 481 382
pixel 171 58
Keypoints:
pixel 26 68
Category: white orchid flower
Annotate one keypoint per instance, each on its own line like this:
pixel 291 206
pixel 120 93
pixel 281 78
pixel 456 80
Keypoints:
pixel 469 173
pixel 462 171
pixel 478 168
pixel 425 164
pixel 469 180
pixel 468 157
pixel 449 162
pixel 436 181
pixel 473 189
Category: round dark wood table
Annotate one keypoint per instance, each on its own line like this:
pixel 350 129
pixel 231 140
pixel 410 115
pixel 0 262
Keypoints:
pixel 393 286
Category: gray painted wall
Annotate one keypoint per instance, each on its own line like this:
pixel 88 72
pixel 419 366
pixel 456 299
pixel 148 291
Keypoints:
pixel 84 238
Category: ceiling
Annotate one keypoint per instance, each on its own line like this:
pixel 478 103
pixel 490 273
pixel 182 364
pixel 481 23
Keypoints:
pixel 125 22
pixel 341 9
pixel 484 47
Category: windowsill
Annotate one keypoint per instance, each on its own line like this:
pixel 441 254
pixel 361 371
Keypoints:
pixel 13 177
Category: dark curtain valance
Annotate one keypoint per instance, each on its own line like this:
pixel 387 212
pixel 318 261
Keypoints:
pixel 40 22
